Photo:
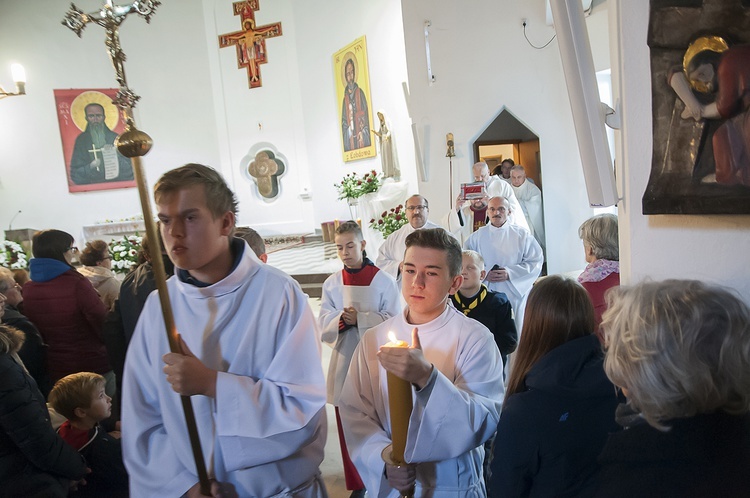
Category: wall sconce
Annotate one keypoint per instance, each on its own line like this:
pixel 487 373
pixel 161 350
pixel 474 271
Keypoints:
pixel 19 78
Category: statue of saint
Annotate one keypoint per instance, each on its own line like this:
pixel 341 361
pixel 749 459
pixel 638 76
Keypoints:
pixel 388 156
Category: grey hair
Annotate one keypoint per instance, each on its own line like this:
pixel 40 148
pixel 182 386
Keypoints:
pixel 5 275
pixel 680 348
pixel 518 167
pixel 600 232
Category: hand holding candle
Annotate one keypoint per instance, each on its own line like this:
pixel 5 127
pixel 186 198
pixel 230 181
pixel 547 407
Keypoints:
pixel 406 362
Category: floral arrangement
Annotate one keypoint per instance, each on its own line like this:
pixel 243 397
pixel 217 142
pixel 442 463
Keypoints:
pixel 137 217
pixel 12 256
pixel 389 221
pixel 125 253
pixel 352 186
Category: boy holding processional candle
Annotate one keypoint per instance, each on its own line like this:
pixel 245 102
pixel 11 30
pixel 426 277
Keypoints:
pixel 455 373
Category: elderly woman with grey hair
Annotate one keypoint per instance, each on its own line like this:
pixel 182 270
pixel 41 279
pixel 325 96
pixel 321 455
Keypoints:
pixel 602 251
pixel 680 350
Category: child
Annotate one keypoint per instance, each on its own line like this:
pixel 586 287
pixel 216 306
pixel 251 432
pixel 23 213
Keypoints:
pixel 250 360
pixel 80 398
pixel 355 299
pixel 455 368
pixel 491 309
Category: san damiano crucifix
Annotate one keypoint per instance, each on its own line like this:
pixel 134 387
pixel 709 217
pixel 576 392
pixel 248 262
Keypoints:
pixel 250 41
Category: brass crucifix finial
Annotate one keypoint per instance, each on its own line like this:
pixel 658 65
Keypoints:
pixel 110 17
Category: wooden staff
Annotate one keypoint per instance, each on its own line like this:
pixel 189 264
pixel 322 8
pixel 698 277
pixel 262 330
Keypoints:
pixel 134 143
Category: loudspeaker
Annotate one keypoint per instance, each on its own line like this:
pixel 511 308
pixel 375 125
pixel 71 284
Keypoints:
pixel 588 113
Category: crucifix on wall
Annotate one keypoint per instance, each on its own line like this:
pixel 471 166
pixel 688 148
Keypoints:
pixel 250 41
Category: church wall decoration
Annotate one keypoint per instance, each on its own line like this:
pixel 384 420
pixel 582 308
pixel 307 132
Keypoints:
pixel 250 41
pixel 700 70
pixel 89 123
pixel 265 166
pixel 352 79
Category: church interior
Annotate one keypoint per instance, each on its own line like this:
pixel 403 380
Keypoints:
pixel 196 105
pixel 479 70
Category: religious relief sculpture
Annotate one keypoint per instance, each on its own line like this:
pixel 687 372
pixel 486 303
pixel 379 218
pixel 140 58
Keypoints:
pixel 712 83
pixel 388 156
pixel 251 41
pixel 266 170
pixel 700 79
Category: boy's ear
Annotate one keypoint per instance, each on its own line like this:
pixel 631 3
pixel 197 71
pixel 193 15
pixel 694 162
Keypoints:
pixel 457 281
pixel 227 223
pixel 482 275
pixel 79 412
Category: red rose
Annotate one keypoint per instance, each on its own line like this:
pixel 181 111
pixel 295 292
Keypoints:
pixel 385 213
pixel 359 182
pixel 369 180
pixel 398 217
pixel 380 222
pixel 372 220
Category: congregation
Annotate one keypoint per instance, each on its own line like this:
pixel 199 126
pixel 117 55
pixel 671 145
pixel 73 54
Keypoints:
pixel 521 384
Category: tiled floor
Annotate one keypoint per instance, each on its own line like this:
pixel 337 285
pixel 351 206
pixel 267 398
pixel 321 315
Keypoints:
pixel 310 257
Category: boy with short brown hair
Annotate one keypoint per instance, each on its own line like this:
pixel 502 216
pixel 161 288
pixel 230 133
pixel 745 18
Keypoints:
pixel 455 369
pixel 80 398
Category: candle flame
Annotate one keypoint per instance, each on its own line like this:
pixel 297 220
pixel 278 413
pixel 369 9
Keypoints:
pixel 392 337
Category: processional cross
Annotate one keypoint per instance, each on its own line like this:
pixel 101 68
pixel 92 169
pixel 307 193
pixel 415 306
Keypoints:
pixel 134 143
pixel 250 41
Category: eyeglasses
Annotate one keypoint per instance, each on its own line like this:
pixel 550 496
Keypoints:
pixel 416 208
pixel 73 249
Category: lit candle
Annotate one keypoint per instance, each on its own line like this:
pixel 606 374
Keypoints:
pixel 400 405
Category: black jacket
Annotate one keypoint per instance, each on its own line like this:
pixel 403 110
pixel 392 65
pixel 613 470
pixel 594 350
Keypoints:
pixel 34 460
pixel 549 436
pixel 495 313
pixel 704 455
pixel 33 353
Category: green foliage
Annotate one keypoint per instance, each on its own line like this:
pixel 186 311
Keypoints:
pixel 389 221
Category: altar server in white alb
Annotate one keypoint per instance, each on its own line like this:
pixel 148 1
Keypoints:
pixel 510 252
pixel 456 372
pixel 392 251
pixel 251 361
pixel 355 299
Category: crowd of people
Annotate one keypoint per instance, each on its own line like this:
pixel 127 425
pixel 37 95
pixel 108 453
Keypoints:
pixel 521 384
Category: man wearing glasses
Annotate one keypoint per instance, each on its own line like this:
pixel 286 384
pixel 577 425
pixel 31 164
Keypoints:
pixel 391 253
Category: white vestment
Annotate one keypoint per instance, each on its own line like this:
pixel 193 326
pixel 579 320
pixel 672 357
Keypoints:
pixel 530 198
pixel 453 415
pixel 452 223
pixel 515 249
pixel 499 188
pixel 374 303
pixel 266 429
pixel 391 253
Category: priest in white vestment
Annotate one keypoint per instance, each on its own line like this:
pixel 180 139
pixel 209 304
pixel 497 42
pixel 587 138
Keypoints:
pixel 512 254
pixel 391 253
pixel 530 198
pixel 251 361
pixel 455 369
pixel 500 188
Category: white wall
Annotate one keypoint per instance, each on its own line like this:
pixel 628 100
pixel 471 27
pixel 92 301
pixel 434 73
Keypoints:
pixel 483 64
pixel 196 104
pixel 176 106
pixel 709 248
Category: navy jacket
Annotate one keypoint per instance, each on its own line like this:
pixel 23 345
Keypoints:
pixel 550 435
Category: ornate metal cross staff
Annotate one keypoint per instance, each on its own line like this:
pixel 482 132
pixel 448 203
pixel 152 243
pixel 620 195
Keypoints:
pixel 134 143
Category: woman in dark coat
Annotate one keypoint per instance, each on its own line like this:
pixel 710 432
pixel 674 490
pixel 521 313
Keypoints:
pixel 559 405
pixel 680 350
pixel 66 309
pixel 34 460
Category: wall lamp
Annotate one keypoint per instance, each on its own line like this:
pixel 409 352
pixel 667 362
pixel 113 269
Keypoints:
pixel 19 78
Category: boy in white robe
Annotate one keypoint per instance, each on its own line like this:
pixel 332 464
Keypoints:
pixel 355 299
pixel 251 361
pixel 455 369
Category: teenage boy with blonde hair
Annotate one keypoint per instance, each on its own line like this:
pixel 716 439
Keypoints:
pixel 251 361
pixel 80 398
pixel 355 299
pixel 455 369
